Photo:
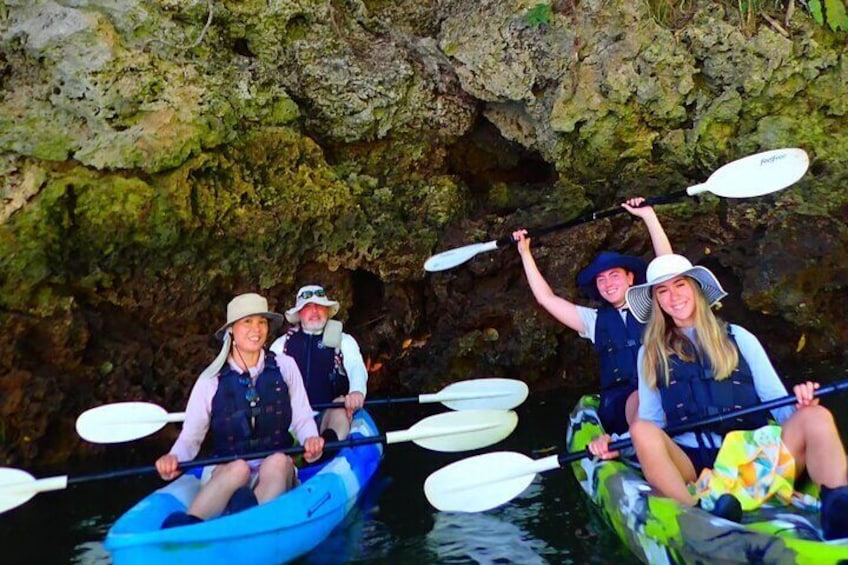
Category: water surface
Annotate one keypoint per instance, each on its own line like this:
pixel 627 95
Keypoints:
pixel 551 522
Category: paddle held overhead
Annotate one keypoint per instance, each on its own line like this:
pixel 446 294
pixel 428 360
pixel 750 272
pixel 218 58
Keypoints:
pixel 483 482
pixel 127 421
pixel 754 175
pixel 448 432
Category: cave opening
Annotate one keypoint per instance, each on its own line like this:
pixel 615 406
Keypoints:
pixel 367 299
pixel 484 158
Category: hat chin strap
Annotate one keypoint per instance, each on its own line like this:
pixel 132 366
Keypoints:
pixel 215 367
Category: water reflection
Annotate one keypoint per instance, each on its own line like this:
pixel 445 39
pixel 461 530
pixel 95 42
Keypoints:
pixel 92 552
pixel 489 538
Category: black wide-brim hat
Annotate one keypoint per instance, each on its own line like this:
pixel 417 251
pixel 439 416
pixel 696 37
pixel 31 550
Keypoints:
pixel 604 261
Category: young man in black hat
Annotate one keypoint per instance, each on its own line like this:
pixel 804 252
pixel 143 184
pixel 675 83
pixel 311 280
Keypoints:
pixel 614 331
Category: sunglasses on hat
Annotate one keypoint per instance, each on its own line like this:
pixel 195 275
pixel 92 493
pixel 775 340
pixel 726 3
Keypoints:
pixel 306 294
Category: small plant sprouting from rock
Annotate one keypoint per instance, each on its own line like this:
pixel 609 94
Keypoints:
pixel 830 12
pixel 540 15
pixel 671 13
pixel 674 14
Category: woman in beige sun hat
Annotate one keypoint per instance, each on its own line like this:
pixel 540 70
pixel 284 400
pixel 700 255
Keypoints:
pixel 693 365
pixel 249 399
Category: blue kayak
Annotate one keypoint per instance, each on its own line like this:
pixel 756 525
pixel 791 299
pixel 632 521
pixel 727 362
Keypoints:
pixel 276 532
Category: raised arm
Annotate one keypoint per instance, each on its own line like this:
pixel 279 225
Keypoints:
pixel 659 239
pixel 560 308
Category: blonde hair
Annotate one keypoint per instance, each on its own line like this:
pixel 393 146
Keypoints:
pixel 662 339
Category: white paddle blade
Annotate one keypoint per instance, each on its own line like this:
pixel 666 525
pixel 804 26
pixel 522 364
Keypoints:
pixel 453 257
pixel 122 421
pixel 481 394
pixel 472 484
pixel 459 431
pixel 757 174
pixel 16 488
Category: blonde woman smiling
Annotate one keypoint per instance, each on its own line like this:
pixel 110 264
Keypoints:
pixel 693 365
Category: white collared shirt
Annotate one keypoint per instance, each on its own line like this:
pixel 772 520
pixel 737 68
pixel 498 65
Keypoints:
pixel 354 365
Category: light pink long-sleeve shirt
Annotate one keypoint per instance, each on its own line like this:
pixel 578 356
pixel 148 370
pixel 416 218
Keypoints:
pixel 199 407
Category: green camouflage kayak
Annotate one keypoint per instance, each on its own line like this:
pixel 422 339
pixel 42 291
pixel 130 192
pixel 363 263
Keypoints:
pixel 659 530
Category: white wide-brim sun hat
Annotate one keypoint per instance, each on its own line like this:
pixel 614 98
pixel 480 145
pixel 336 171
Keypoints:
pixel 311 294
pixel 667 267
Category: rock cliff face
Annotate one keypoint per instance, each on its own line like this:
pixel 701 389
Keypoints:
pixel 159 157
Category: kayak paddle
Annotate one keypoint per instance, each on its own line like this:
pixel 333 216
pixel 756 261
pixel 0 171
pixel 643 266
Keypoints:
pixel 124 421
pixel 127 421
pixel 448 432
pixel 472 394
pixel 483 482
pixel 754 175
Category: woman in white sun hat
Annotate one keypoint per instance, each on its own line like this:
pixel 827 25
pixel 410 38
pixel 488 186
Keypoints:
pixel 249 399
pixel 329 359
pixel 693 365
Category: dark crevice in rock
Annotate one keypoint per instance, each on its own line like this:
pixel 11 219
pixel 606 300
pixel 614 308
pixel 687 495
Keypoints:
pixel 484 157
pixel 367 299
pixel 242 47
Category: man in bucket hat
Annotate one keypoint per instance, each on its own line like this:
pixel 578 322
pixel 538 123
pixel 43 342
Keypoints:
pixel 615 333
pixel 329 359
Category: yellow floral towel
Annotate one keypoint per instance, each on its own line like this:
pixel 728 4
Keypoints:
pixel 754 466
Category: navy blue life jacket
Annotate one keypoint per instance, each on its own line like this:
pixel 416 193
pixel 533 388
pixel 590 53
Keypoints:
pixel 322 367
pixel 239 425
pixel 617 344
pixel 692 393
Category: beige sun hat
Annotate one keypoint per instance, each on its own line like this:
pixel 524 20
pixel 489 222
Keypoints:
pixel 249 304
pixel 667 267
pixel 311 294
pixel 242 306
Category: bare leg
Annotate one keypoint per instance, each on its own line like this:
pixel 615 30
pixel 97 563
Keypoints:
pixel 336 419
pixel 213 497
pixel 812 438
pixel 631 407
pixel 664 464
pixel 276 476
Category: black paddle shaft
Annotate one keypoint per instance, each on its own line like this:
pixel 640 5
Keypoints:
pixel 592 216
pixel 151 469
pixel 372 402
pixel 565 458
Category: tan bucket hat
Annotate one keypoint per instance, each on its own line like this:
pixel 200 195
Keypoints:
pixel 249 304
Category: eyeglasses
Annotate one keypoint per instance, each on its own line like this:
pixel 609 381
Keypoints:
pixel 310 293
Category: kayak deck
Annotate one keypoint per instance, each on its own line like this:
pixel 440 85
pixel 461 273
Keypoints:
pixel 275 532
pixel 659 530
